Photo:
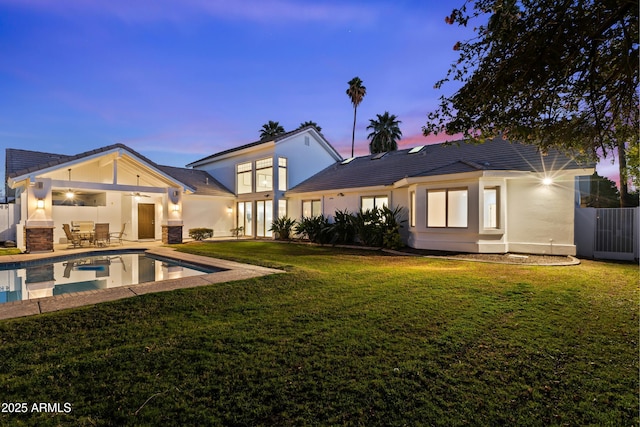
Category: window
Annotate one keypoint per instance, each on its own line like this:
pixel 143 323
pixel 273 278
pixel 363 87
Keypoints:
pixel 368 203
pixel 264 218
pixel 264 175
pixel 282 208
pixel 282 174
pixel 447 208
pixel 491 207
pixel 244 218
pixel 412 208
pixel 311 208
pixel 244 178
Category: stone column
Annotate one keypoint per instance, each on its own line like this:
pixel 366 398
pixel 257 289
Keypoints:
pixel 171 234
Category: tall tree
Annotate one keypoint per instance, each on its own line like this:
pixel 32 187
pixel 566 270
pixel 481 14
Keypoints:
pixel 553 73
pixel 356 93
pixel 385 133
pixel 310 123
pixel 271 129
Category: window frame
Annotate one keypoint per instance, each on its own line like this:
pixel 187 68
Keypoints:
pixel 263 165
pixel 446 191
pixel 379 196
pixel 283 184
pixel 243 172
pixel 498 225
pixel 312 202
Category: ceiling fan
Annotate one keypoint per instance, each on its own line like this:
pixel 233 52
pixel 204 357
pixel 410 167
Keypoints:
pixel 137 194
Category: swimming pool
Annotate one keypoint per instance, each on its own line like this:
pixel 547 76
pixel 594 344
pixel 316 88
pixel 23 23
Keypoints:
pixel 80 273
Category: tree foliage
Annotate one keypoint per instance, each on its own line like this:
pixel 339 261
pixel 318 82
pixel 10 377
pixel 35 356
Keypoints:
pixel 310 123
pixel 356 93
pixel 385 133
pixel 553 73
pixel 271 129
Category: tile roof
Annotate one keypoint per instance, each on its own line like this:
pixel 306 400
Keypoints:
pixel 436 159
pixel 256 143
pixel 21 162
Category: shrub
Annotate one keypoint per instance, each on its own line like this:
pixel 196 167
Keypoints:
pixel 200 233
pixel 314 228
pixel 283 226
pixel 379 227
pixel 342 230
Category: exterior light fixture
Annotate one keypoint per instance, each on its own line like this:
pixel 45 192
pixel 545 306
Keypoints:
pixel 547 181
pixel 229 209
pixel 176 208
pixel 40 204
pixel 70 194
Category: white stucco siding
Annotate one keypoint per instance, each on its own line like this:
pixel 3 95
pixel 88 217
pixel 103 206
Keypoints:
pixel 208 212
pixel 540 218
pixel 305 156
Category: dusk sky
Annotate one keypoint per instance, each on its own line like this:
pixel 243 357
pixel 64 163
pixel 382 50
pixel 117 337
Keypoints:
pixel 178 80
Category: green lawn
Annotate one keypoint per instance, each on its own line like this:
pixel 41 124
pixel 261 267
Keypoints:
pixel 344 338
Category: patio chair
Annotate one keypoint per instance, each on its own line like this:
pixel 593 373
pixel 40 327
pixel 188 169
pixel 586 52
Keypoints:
pixel 72 238
pixel 117 235
pixel 101 235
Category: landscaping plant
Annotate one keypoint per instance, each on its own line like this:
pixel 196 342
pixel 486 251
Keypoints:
pixel 200 233
pixel 283 226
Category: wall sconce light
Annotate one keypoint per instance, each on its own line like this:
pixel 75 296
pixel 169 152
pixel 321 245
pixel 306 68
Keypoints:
pixel 70 194
pixel 176 208
pixel 40 204
pixel 547 181
pixel 340 194
pixel 229 209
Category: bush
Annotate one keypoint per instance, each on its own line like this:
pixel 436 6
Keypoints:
pixel 283 226
pixel 342 230
pixel 200 233
pixel 379 227
pixel 314 228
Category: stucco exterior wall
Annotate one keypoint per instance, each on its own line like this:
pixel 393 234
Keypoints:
pixel 208 212
pixel 540 218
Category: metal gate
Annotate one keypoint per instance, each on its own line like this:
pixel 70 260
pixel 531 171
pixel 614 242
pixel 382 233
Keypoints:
pixel 616 236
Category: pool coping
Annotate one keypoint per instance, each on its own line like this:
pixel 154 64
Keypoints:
pixel 231 271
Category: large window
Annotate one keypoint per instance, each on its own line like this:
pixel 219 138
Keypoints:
pixel 491 207
pixel 245 218
pixel 282 208
pixel 264 218
pixel 282 174
pixel 311 208
pixel 264 175
pixel 368 203
pixel 412 209
pixel 447 208
pixel 244 178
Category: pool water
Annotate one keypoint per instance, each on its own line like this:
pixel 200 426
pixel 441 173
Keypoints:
pixel 86 273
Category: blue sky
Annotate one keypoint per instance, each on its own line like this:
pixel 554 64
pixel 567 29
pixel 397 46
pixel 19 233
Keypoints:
pixel 178 80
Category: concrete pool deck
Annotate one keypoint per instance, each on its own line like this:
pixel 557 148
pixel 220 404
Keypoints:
pixel 232 271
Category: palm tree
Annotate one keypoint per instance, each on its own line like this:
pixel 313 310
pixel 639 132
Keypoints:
pixel 310 123
pixel 385 133
pixel 355 92
pixel 271 129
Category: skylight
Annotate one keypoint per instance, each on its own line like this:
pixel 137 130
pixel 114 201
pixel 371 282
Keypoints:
pixel 416 149
pixel 378 156
pixel 346 161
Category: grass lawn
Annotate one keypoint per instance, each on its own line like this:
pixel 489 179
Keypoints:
pixel 344 338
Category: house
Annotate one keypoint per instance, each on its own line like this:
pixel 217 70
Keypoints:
pixel 114 185
pixel 262 173
pixel 495 197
